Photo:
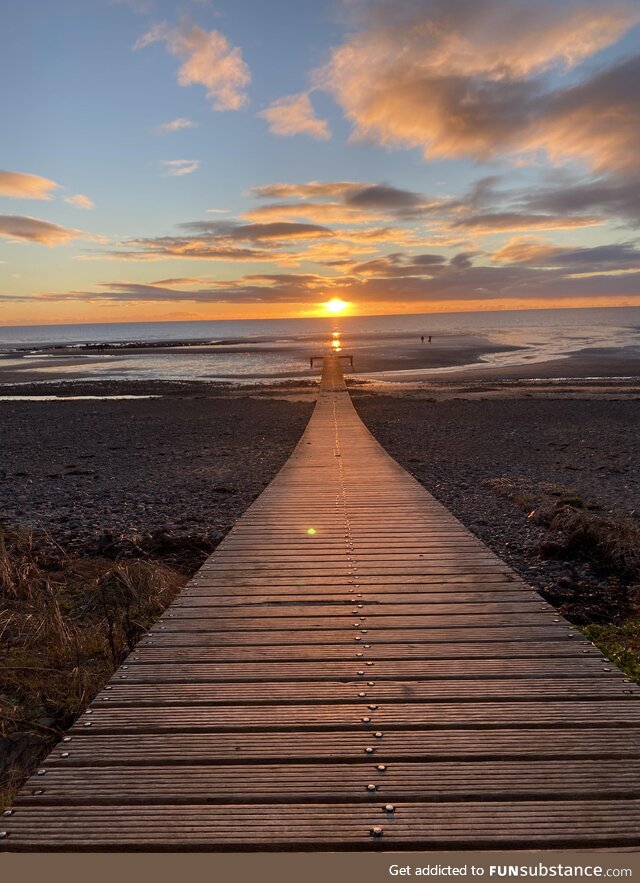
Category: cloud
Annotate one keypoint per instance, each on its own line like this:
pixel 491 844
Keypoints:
pixel 294 115
pixel 500 222
pixel 24 228
pixel 176 168
pixel 208 59
pixel 174 126
pixel 278 242
pixel 613 257
pixel 79 200
pixel 19 185
pixel 257 232
pixel 340 202
pixel 311 189
pixel 469 78
pixel 425 278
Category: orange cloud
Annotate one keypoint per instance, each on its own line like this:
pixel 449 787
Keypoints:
pixel 79 200
pixel 19 185
pixel 465 78
pixel 27 229
pixel 174 126
pixel 209 60
pixel 294 115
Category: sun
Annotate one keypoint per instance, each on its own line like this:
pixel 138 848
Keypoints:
pixel 336 305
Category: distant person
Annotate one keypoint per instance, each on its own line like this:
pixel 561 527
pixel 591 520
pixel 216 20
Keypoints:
pixel 422 338
pixel 429 339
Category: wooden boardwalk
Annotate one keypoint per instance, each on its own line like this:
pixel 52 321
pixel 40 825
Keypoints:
pixel 351 669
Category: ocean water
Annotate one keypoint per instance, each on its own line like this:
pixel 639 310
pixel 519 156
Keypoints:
pixel 266 350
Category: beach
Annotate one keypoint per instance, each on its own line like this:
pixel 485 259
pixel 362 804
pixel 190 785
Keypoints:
pixel 109 504
pixel 184 465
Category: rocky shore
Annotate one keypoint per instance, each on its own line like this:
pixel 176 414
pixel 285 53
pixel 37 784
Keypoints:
pixel 95 472
pixel 500 465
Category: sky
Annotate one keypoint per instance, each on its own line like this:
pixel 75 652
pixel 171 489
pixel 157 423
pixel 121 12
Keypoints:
pixel 241 159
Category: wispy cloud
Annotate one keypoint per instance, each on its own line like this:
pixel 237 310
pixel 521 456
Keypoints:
pixel 208 59
pixel 26 229
pixel 294 115
pixel 176 168
pixel 80 201
pixel 20 185
pixel 174 126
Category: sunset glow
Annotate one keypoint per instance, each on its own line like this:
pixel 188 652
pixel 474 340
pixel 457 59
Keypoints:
pixel 335 306
pixel 240 188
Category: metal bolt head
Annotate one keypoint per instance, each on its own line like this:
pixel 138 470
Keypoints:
pixel 358 655
pixel 378 735
pixel 64 754
pixel 360 673
pixel 362 695
pixel 42 772
pixel 371 683
pixel 373 707
pixel 8 812
pixel 3 834
pixel 357 638
pixel 38 791
pixel 67 739
pixel 366 720
pixel 381 767
pixel 87 724
pixel 372 787
pixel 369 750
pixel 389 808
pixel 369 663
pixel 376 831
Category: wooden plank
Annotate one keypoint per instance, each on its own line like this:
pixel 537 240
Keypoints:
pixel 225 693
pixel 442 715
pixel 529 824
pixel 338 783
pixel 361 669
pixel 87 748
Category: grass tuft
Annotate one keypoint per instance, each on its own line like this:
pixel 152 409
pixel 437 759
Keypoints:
pixel 609 543
pixel 66 623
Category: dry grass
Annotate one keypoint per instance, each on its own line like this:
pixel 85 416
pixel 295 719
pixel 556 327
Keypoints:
pixel 609 543
pixel 66 622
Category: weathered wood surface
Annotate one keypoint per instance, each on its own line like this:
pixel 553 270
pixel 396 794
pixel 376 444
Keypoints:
pixel 351 669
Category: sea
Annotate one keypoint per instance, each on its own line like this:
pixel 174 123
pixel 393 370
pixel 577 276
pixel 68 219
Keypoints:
pixel 399 347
